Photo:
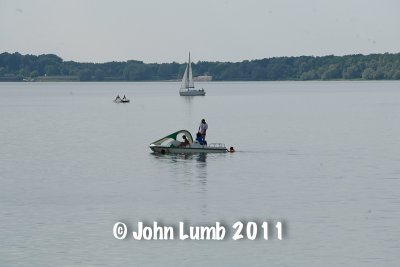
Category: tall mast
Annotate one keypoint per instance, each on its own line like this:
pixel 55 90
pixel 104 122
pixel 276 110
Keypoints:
pixel 188 72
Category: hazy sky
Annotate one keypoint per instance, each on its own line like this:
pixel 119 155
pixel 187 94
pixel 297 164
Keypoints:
pixel 213 30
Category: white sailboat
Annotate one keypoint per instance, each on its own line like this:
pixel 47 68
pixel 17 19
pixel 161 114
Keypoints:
pixel 187 86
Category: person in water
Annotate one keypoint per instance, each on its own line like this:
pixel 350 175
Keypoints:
pixel 231 149
pixel 117 97
pixel 185 141
pixel 203 130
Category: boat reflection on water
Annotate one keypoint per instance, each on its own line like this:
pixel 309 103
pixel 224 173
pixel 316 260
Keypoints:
pixel 202 157
pixel 185 173
pixel 177 158
pixel 185 165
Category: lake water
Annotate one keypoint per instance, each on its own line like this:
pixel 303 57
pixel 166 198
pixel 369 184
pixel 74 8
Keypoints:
pixel 321 157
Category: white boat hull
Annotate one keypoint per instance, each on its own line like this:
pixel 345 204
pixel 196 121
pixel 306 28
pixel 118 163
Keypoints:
pixel 187 150
pixel 170 145
pixel 122 101
pixel 192 93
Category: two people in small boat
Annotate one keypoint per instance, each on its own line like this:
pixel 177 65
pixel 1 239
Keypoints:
pixel 200 136
pixel 119 98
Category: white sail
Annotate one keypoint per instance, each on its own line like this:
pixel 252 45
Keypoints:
pixel 187 79
pixel 190 75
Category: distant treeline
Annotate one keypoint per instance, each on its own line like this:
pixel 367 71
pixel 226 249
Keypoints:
pixel 17 67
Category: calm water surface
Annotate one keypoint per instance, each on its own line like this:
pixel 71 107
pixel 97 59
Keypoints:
pixel 323 157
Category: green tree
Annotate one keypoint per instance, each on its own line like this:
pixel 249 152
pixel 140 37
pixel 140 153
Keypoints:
pixel 99 75
pixel 352 72
pixel 85 75
pixel 309 75
pixel 51 70
pixel 333 72
pixel 368 74
pixel 3 71
pixel 396 75
pixel 34 74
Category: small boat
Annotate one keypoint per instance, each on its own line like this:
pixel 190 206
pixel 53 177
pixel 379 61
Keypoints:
pixel 170 144
pixel 187 85
pixel 121 100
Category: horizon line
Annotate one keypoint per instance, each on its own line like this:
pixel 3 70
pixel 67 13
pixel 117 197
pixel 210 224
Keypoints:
pixel 254 59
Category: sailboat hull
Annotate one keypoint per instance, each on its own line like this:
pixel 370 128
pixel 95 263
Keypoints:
pixel 192 93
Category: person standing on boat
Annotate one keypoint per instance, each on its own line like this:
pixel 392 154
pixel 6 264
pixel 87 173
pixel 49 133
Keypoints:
pixel 203 130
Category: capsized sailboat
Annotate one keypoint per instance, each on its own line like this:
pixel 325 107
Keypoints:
pixel 187 85
pixel 170 144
